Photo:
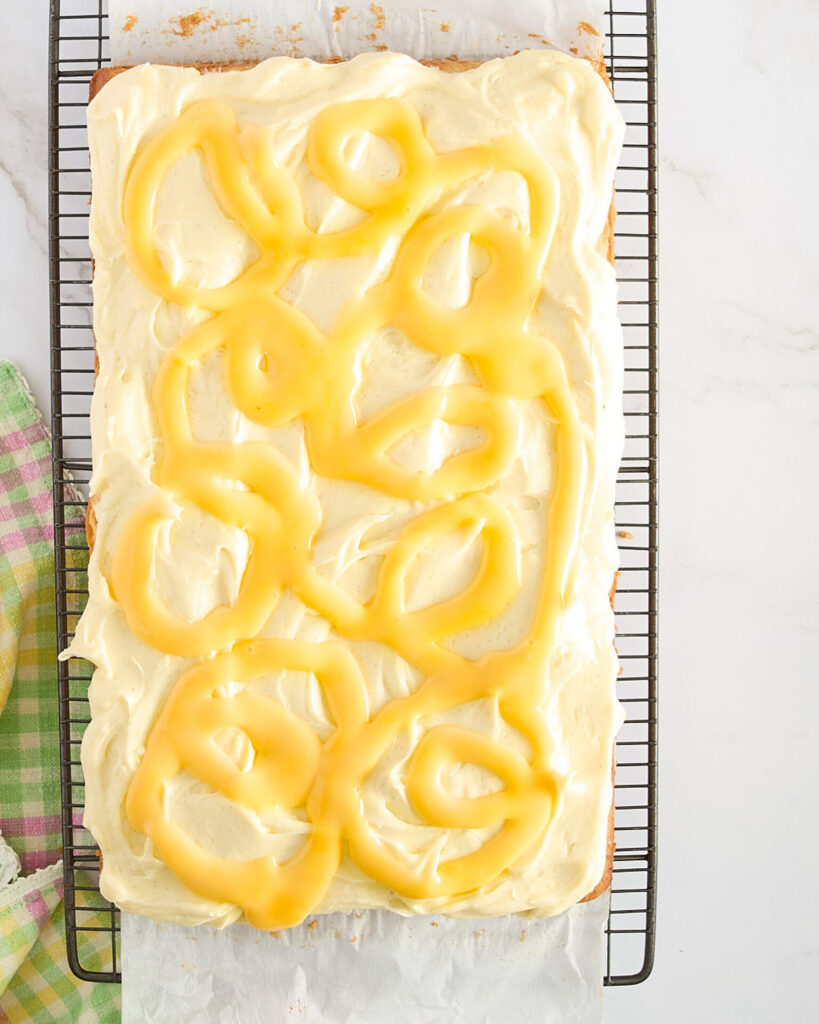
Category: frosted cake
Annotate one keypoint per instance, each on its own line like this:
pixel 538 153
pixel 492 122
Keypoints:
pixel 356 429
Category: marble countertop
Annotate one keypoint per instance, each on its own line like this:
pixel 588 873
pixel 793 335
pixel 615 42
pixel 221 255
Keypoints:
pixel 739 403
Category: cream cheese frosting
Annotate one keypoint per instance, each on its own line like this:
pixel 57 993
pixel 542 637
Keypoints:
pixel 561 106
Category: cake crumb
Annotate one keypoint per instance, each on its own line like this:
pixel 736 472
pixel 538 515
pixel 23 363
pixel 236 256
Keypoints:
pixel 523 936
pixel 187 24
pixel 378 11
pixel 445 27
pixel 312 926
pixel 584 26
pixel 613 588
pixel 625 534
pixel 339 12
pixel 434 924
pixel 129 23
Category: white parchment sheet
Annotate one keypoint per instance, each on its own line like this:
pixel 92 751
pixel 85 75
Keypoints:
pixel 376 966
pixel 369 968
pixel 186 32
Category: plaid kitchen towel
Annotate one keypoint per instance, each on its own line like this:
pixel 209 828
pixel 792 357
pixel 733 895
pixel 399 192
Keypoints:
pixel 36 984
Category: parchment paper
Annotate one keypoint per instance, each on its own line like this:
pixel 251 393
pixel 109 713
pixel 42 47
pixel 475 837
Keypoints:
pixel 376 966
pixel 183 32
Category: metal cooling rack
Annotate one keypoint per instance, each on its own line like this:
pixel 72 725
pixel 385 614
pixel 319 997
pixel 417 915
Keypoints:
pixel 78 46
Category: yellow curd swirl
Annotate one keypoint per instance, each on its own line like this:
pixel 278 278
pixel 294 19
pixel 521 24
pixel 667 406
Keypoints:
pixel 279 367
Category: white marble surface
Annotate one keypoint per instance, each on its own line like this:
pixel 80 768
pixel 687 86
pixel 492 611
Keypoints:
pixel 737 933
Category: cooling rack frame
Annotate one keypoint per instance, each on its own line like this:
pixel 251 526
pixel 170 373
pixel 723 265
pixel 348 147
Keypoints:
pixel 77 48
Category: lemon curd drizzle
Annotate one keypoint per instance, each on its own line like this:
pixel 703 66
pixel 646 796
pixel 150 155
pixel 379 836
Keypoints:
pixel 279 366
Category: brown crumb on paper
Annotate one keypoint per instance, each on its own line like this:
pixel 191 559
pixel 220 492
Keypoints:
pixel 523 936
pixel 339 12
pixel 434 924
pixel 129 22
pixel 584 26
pixel 288 35
pixel 187 24
pixel 378 11
pixel 312 926
pixel 184 25
pixel 445 27
pixel 218 23
pixel 625 534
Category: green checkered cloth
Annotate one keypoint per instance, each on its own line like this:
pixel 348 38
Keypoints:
pixel 36 984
